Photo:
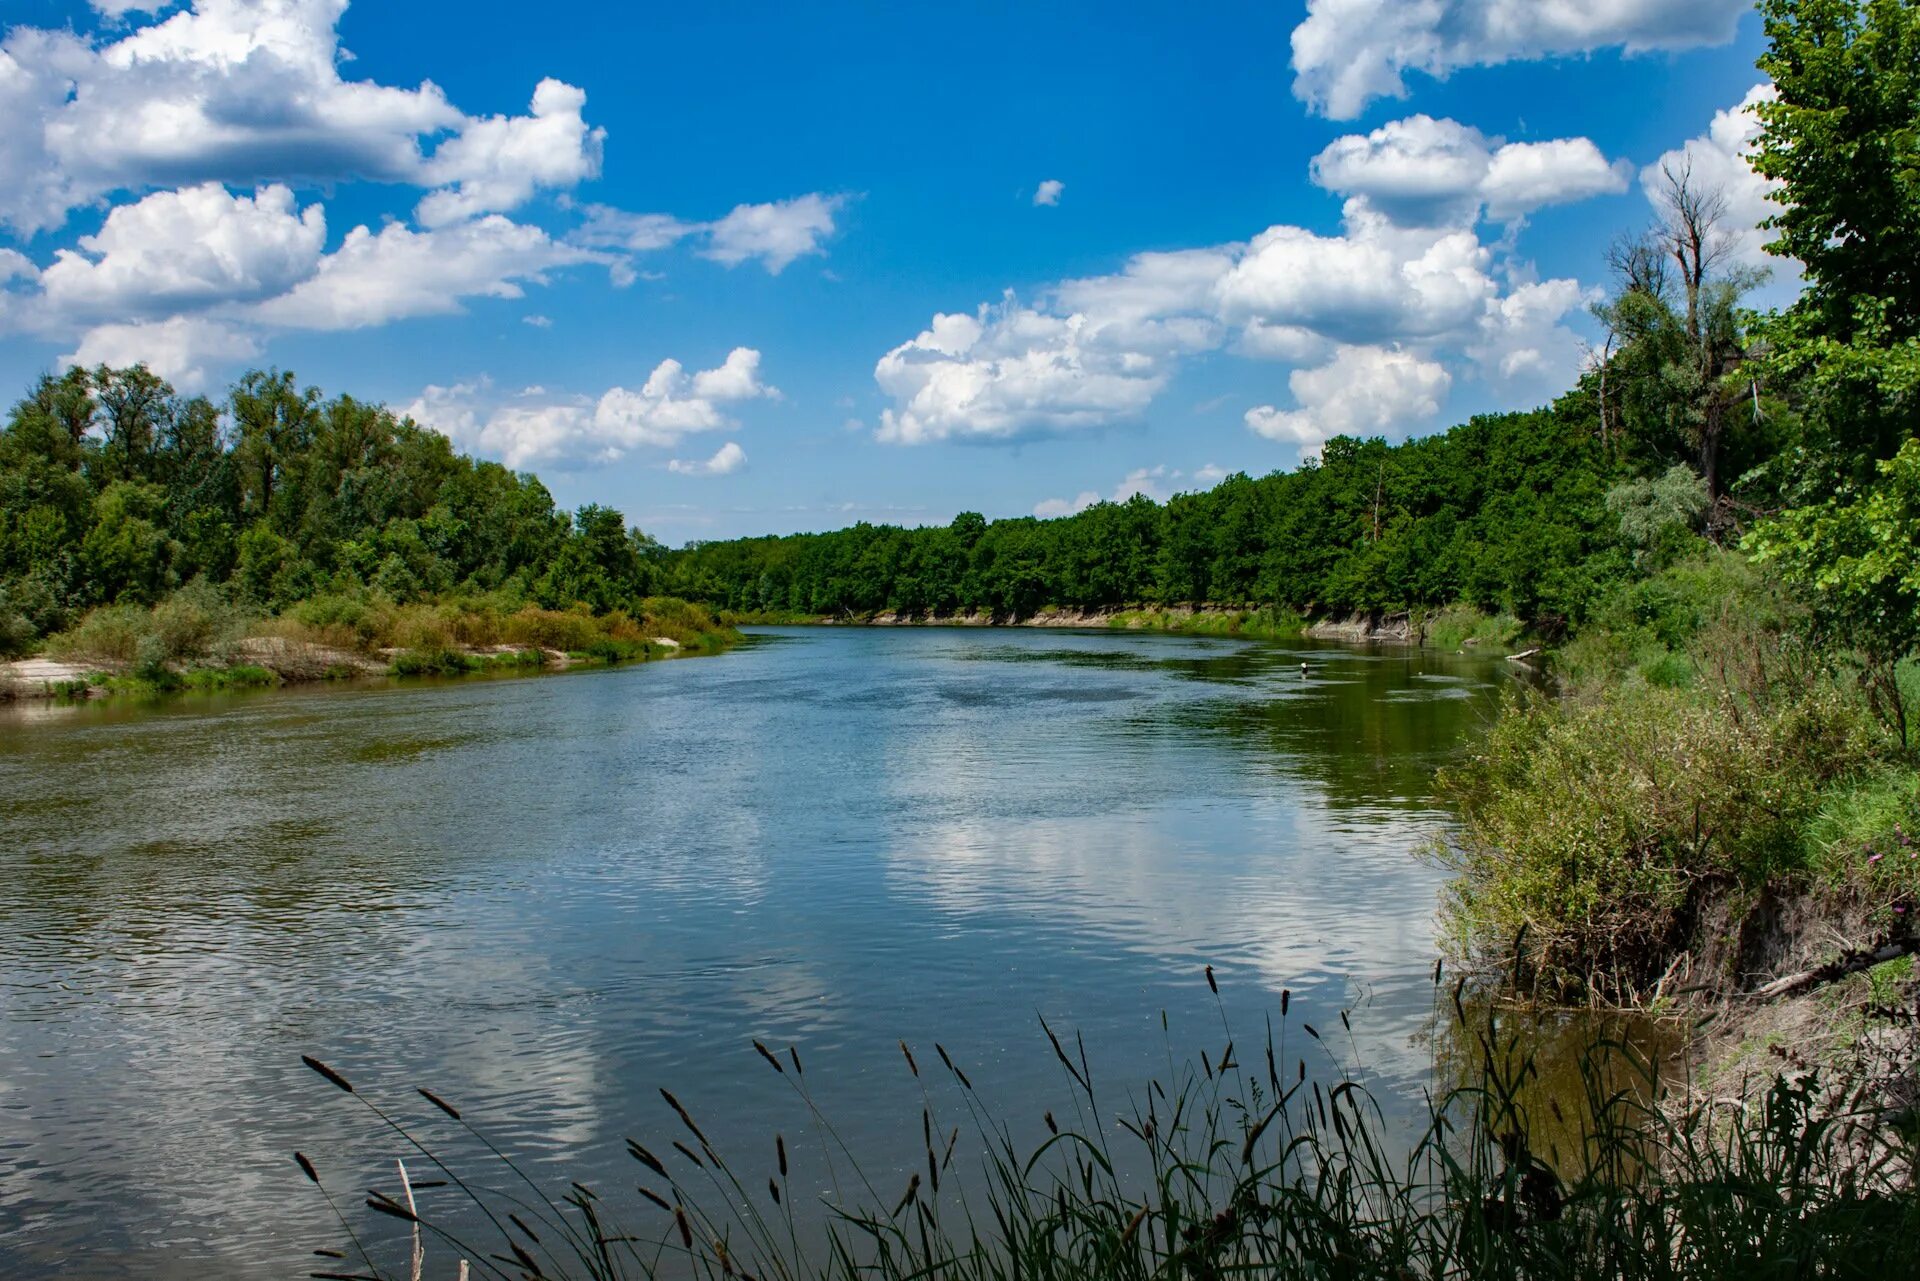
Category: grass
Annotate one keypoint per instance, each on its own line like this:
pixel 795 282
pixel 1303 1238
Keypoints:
pixel 199 639
pixel 1240 1165
pixel 1266 623
pixel 1463 626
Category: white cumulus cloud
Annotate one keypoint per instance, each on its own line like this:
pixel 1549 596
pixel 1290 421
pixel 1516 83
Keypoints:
pixel 1362 391
pixel 773 234
pixel 1429 172
pixel 183 250
pixel 1048 192
pixel 184 350
pixel 249 92
pixel 376 277
pixel 535 429
pixel 496 164
pixel 728 458
pixel 1347 53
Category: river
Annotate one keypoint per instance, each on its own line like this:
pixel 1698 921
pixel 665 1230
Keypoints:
pixel 545 897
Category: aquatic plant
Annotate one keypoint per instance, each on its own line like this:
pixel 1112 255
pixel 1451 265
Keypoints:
pixel 1244 1164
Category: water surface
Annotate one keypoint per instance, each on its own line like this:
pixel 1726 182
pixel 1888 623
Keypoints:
pixel 546 897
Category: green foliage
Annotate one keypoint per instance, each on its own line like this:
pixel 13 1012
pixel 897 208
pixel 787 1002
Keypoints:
pixel 1505 513
pixel 1856 560
pixel 116 490
pixel 1841 135
pixel 1597 828
pixel 1866 836
pixel 1460 626
pixel 1660 513
pixel 1663 628
pixel 432 662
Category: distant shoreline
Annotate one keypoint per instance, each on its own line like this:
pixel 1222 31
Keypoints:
pixel 271 662
pixel 1445 629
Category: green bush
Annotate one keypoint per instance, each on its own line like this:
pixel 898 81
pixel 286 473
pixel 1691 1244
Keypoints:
pixel 1597 827
pixel 195 622
pixel 111 634
pixel 431 662
pixel 18 635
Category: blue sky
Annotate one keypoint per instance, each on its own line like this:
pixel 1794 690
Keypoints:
pixel 687 260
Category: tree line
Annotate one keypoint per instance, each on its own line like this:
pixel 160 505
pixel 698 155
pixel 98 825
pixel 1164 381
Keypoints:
pixel 114 488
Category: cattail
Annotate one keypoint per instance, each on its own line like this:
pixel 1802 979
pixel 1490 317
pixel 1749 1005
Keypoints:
pixel 331 1075
pixel 911 1065
pixel 654 1197
pixel 793 1052
pixel 1310 1032
pixel 774 1188
pixel 780 1150
pixel 526 1260
pixel 952 1139
pixel 647 1159
pixel 767 1054
pixel 1206 1066
pixel 680 1222
pixel 687 1152
pixel 1051 1127
pixel 1133 1224
pixel 1344 1023
pixel 306 1168
pixel 906 1198
pixel 520 1223
pixel 1438 967
pixel 1210 981
pixel 387 1205
pixel 926 1127
pixel 951 1067
pixel 1286 999
pixel 685 1119
pixel 439 1102
pixel 328 1254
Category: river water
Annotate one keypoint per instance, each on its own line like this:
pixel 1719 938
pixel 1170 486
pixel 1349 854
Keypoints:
pixel 546 897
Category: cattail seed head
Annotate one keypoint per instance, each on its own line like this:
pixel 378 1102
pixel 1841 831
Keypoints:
pixel 332 1076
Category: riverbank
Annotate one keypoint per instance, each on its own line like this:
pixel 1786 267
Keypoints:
pixel 1457 627
pixel 197 640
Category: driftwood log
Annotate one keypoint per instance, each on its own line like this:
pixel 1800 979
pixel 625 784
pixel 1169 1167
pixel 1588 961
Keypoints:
pixel 1850 963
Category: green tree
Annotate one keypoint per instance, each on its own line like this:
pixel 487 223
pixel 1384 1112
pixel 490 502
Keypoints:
pixel 1856 560
pixel 1843 134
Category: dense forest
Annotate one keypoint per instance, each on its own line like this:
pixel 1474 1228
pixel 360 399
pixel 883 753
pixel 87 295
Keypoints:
pixel 1507 511
pixel 115 490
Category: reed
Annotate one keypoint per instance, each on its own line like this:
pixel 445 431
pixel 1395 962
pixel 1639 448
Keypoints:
pixel 1233 1169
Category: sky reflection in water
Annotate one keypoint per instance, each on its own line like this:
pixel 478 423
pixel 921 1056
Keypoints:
pixel 547 897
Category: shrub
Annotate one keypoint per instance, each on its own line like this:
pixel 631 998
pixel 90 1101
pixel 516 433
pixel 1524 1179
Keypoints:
pixel 1596 827
pixel 18 635
pixel 195 622
pixel 110 634
pixel 431 662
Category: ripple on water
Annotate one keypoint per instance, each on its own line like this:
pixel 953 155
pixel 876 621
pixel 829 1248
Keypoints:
pixel 545 898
